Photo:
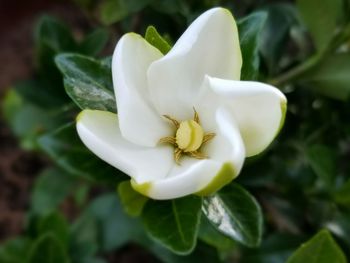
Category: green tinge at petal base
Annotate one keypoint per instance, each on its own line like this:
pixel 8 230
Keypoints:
pixel 141 188
pixel 226 174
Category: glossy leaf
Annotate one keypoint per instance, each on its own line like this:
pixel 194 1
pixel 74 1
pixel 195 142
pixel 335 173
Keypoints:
pixel 94 42
pixel 87 81
pixel 321 18
pixel 236 214
pixel 132 201
pixel 48 249
pixel 214 238
pixel 319 249
pixel 155 39
pixel 174 223
pixel 249 29
pixel 322 161
pixel 50 189
pixel 331 77
pixel 65 148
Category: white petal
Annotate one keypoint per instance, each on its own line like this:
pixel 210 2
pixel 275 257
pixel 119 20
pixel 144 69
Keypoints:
pixel 259 110
pixel 99 131
pixel 210 46
pixel 139 122
pixel 226 156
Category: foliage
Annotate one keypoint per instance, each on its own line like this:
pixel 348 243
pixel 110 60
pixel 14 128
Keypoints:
pixel 281 200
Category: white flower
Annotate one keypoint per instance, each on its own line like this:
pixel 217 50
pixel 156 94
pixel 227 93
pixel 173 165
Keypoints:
pixel 200 74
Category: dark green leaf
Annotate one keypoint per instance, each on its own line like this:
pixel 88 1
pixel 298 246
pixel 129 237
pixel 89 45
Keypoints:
pixel 331 77
pixel 36 93
pixel 203 253
pixel 275 248
pixel 342 195
pixel 321 18
pixel 235 213
pixel 48 249
pixel 112 11
pixel 132 201
pixel 319 249
pixel 87 81
pixel 14 250
pixel 66 149
pixel 249 29
pixel 174 223
pixel 155 39
pixel 56 224
pixel 50 189
pixel 94 42
pixel 275 33
pixel 51 38
pixel 322 161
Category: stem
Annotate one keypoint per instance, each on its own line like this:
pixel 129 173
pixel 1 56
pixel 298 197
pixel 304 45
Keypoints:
pixel 299 70
pixel 296 72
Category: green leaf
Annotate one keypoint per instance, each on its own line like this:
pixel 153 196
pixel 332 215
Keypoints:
pixel 275 248
pixel 132 201
pixel 321 18
pixel 331 77
pixel 203 253
pixel 37 93
pixel 87 81
pixel 14 250
pixel 66 149
pixel 48 249
pixel 342 195
pixel 323 162
pixel 319 249
pixel 249 29
pixel 51 38
pixel 275 33
pixel 56 224
pixel 94 42
pixel 28 121
pixel 236 214
pixel 174 223
pixel 214 238
pixel 50 189
pixel 135 5
pixel 112 11
pixel 84 235
pixel 155 39
pixel 115 227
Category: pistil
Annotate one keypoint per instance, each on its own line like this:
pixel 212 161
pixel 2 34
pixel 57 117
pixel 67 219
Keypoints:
pixel 189 138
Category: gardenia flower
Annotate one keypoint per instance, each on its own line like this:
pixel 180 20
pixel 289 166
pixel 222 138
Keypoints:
pixel 185 121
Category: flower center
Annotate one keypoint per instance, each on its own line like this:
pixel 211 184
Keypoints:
pixel 189 137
